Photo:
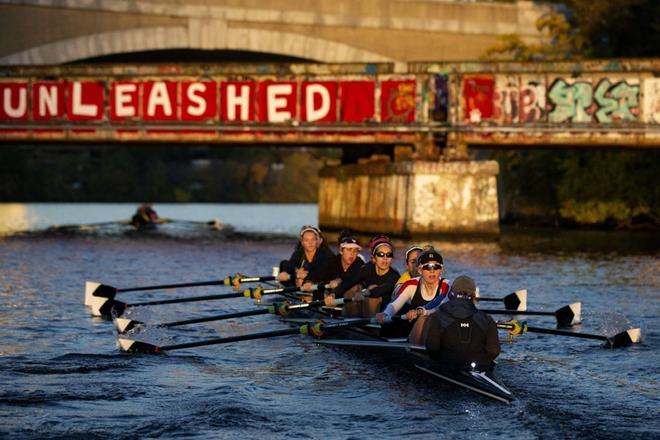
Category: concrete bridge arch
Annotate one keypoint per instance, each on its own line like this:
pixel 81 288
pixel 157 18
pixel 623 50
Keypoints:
pixel 209 35
pixel 37 32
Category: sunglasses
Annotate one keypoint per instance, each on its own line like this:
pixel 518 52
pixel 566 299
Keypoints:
pixel 384 255
pixel 432 267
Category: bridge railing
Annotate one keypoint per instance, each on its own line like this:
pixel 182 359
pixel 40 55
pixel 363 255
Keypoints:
pixel 612 102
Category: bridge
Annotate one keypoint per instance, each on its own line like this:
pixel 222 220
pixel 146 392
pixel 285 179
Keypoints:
pixel 438 108
pixel 351 78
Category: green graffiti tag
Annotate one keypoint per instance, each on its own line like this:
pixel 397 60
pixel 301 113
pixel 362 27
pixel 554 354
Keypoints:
pixel 570 101
pixel 580 102
pixel 616 103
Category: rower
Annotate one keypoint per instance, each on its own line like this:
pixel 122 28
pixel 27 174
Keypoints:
pixel 458 334
pixel 144 216
pixel 416 294
pixel 333 270
pixel 375 279
pixel 411 268
pixel 311 251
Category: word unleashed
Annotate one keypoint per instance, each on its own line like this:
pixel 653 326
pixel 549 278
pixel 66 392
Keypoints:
pixel 164 100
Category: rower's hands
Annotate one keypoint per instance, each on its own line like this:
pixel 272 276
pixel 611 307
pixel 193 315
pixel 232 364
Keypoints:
pixel 334 283
pixel 414 314
pixel 329 300
pixel 301 273
pixel 361 295
pixel 283 276
pixel 307 286
pixel 382 317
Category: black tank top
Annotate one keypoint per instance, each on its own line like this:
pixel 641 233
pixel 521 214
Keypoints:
pixel 418 300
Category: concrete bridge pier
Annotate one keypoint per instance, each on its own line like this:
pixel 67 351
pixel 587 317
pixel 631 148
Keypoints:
pixel 414 198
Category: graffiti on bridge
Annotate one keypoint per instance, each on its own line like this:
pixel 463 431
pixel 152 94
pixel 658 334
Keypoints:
pixel 508 99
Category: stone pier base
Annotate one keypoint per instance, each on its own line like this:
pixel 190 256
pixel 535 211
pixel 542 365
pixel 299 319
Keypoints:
pixel 411 198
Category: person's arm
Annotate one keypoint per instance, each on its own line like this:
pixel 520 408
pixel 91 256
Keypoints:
pixel 385 289
pixel 288 268
pixel 399 301
pixel 350 281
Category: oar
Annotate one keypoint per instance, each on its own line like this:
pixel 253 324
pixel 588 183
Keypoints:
pixel 84 226
pixel 316 329
pixel 106 307
pixel 94 290
pixel 238 279
pixel 277 308
pixel 566 316
pixel 623 339
pixel 513 301
pixel 215 223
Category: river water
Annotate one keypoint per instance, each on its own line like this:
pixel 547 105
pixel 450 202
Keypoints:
pixel 62 376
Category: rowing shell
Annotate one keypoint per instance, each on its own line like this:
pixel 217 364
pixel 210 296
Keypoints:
pixel 483 382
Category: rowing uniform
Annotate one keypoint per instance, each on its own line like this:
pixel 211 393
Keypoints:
pixel 299 260
pixel 412 296
pixel 400 282
pixel 331 269
pixel 366 276
pixel 459 334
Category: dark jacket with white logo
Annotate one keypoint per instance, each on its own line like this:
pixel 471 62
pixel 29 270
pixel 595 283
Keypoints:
pixel 460 334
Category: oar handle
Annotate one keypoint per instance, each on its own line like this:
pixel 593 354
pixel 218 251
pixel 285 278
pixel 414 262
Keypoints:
pixel 184 300
pixel 174 286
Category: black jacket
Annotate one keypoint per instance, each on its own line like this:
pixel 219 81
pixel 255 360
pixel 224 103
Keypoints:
pixel 459 334
pixel 298 260
pixel 332 269
pixel 366 276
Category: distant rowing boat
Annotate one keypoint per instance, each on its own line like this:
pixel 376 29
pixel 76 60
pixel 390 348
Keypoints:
pixel 164 226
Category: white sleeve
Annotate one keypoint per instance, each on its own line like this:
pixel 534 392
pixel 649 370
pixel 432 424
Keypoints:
pixel 405 296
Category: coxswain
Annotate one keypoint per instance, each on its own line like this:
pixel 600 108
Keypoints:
pixel 411 268
pixel 414 295
pixel 144 216
pixel 311 251
pixel 370 288
pixel 331 273
pixel 458 334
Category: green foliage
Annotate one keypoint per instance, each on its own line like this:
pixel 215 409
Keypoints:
pixel 589 188
pixel 159 174
pixel 581 29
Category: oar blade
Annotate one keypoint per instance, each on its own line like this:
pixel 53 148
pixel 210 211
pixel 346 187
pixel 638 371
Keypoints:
pixel 124 325
pixel 516 300
pixel 107 307
pixel 569 315
pixel 94 289
pixel 132 346
pixel 625 339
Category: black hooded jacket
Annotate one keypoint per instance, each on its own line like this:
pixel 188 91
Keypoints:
pixel 459 334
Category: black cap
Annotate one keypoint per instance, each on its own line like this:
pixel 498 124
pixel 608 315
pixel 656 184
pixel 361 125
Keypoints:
pixel 463 287
pixel 429 255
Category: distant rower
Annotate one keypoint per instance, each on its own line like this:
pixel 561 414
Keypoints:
pixel 144 216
